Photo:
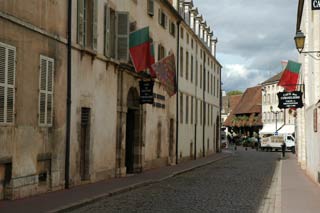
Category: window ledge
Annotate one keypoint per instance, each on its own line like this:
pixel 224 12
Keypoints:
pixel 88 51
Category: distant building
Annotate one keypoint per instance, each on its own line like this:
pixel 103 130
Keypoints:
pixel 245 118
pixel 272 116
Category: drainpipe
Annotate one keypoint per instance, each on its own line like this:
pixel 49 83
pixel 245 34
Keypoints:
pixel 68 115
pixel 177 94
pixel 204 105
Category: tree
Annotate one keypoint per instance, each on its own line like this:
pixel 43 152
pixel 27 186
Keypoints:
pixel 234 92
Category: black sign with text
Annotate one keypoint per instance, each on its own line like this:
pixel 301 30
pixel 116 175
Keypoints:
pixel 146 92
pixel 290 100
pixel 315 4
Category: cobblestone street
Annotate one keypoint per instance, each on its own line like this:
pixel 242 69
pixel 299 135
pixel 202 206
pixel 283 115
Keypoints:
pixel 235 184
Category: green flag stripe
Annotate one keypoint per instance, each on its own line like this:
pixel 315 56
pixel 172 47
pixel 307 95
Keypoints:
pixel 139 37
pixel 293 67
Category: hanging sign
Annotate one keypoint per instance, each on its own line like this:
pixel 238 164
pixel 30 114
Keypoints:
pixel 146 92
pixel 315 4
pixel 290 100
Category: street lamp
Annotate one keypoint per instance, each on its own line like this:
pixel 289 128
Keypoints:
pixel 300 40
pixel 276 113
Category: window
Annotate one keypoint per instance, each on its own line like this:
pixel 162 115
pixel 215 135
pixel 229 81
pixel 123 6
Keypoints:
pixel 196 114
pixel 162 18
pixel 46 91
pixel 87 23
pixel 181 108
pixel 151 7
pixel 200 76
pixel 214 85
pixel 187 65
pixel 187 38
pixel 196 72
pixel 192 43
pixel 7 83
pixel 116 36
pixel 181 32
pixel 200 112
pixel 211 86
pixel 187 109
pixel 208 80
pixel 191 109
pixel 181 61
pixel 191 77
pixel 172 28
pixel 161 52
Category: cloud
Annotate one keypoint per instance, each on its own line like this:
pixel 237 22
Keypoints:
pixel 253 37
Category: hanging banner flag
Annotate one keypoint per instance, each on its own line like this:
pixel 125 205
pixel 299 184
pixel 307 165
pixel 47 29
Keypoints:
pixel 290 76
pixel 165 70
pixel 141 50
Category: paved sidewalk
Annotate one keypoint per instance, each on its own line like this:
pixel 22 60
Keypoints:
pixel 59 200
pixel 291 190
pixel 298 192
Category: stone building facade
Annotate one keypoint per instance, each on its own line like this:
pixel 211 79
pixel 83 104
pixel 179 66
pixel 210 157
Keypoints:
pixel 307 129
pixel 111 134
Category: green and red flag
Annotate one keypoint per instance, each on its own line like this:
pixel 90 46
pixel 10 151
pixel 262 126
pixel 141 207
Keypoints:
pixel 141 50
pixel 290 76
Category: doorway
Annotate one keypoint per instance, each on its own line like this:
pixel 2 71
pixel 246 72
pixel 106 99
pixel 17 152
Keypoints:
pixel 133 133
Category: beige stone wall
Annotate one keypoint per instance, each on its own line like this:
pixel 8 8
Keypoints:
pixel 25 142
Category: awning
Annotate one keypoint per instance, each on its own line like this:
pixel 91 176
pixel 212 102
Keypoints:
pixel 268 129
pixel 287 129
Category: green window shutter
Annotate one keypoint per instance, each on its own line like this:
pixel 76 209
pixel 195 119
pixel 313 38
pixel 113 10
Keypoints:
pixel 80 34
pixel 122 40
pixel 107 31
pixel 95 25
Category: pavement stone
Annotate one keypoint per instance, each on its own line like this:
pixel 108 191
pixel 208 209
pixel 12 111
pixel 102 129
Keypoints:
pixel 81 195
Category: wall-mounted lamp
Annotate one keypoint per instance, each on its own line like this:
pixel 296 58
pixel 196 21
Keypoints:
pixel 300 40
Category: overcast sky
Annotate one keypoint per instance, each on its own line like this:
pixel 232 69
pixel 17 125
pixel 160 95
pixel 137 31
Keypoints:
pixel 253 38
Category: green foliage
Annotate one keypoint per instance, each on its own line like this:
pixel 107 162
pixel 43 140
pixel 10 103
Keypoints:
pixel 234 92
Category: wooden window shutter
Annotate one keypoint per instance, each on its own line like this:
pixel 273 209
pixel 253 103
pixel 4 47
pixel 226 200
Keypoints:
pixel 50 80
pixel 2 82
pixel 7 83
pixel 122 35
pixel 80 20
pixel 10 85
pixel 95 25
pixel 159 16
pixel 42 95
pixel 46 82
pixel 107 31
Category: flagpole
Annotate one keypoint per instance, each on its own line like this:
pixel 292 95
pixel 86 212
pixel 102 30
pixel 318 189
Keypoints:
pixel 177 94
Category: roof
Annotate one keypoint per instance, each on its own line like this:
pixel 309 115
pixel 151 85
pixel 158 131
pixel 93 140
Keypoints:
pixel 250 101
pixel 234 100
pixel 273 79
pixel 247 111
